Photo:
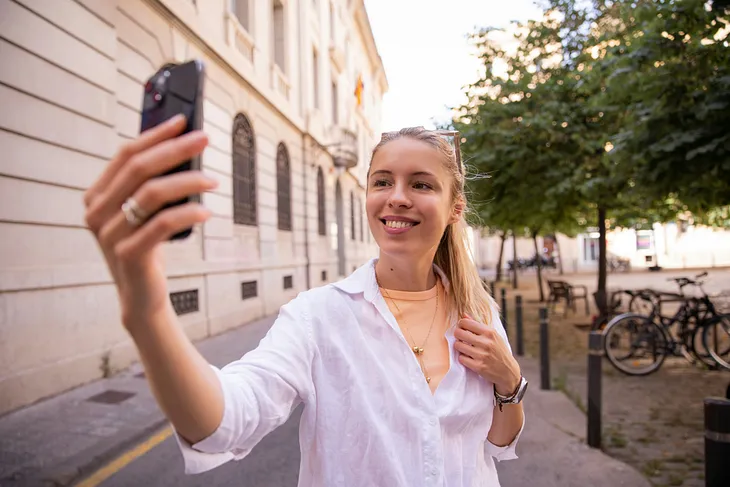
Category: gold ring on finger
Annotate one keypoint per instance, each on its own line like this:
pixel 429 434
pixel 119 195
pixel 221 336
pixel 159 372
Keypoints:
pixel 134 214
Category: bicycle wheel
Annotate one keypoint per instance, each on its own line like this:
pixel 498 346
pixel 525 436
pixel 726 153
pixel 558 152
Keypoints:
pixel 695 344
pixel 643 303
pixel 635 345
pixel 716 339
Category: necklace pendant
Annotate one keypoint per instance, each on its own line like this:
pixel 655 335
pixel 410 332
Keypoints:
pixel 418 350
pixel 428 380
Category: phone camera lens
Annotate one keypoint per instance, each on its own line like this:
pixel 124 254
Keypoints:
pixel 157 96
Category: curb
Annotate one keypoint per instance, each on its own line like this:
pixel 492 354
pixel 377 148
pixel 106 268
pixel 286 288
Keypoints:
pixel 90 460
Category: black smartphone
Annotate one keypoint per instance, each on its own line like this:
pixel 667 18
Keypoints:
pixel 175 89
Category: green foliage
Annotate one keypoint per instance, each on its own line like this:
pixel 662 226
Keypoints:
pixel 668 68
pixel 618 104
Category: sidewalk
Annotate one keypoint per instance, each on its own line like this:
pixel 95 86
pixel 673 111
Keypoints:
pixel 58 441
pixel 552 449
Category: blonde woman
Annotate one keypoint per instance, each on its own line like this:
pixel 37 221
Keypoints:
pixel 403 368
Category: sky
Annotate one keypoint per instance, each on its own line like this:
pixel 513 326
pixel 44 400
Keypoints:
pixel 425 51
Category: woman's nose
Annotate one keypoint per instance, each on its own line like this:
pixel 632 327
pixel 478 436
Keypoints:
pixel 399 197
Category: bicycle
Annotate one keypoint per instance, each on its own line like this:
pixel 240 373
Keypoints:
pixel 650 337
pixel 639 301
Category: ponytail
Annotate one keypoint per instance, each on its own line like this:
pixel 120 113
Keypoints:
pixel 468 294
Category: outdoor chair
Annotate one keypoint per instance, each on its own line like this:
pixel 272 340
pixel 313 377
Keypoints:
pixel 568 293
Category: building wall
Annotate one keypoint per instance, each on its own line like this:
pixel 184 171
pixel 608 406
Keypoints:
pixel 71 82
pixel 668 245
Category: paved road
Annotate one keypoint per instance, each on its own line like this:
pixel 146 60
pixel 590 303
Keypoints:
pixel 717 280
pixel 273 463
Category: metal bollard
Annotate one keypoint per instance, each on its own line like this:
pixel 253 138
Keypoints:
pixel 595 364
pixel 717 441
pixel 504 309
pixel 518 326
pixel 544 351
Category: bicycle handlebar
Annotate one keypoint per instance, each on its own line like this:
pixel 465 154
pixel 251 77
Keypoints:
pixel 686 281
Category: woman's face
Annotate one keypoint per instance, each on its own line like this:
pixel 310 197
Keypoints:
pixel 409 201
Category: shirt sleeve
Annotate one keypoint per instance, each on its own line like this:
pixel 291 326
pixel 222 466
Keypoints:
pixel 508 452
pixel 260 391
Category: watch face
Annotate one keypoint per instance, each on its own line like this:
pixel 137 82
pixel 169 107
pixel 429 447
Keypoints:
pixel 521 391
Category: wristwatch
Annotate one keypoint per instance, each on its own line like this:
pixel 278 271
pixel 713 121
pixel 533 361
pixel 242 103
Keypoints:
pixel 515 397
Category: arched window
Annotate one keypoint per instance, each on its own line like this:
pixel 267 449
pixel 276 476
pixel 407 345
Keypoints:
pixel 244 172
pixel 321 208
pixel 283 187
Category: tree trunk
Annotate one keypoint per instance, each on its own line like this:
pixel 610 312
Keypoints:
pixel 538 262
pixel 514 260
pixel 601 296
pixel 502 237
pixel 560 255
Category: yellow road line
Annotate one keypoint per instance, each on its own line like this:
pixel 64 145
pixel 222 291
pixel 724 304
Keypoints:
pixel 125 459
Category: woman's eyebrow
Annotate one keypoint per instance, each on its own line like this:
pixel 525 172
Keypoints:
pixel 418 173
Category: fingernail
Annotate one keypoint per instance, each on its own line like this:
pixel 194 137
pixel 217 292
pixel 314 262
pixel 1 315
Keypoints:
pixel 176 119
pixel 199 135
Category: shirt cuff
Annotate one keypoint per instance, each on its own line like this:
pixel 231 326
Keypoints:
pixel 198 462
pixel 212 451
pixel 508 452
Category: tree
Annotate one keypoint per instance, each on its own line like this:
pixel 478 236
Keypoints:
pixel 520 131
pixel 596 117
pixel 669 66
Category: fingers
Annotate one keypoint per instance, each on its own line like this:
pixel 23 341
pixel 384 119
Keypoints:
pixel 469 362
pixel 466 336
pixel 147 139
pixel 159 229
pixel 154 195
pixel 473 326
pixel 140 167
pixel 468 350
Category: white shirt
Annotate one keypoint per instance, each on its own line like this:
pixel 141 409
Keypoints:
pixel 369 416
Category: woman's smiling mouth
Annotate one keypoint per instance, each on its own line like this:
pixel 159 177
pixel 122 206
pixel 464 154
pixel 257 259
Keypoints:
pixel 396 225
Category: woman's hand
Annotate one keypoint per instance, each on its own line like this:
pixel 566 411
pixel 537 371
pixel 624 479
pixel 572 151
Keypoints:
pixel 132 251
pixel 484 351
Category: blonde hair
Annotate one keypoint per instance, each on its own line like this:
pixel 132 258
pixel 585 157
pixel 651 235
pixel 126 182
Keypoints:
pixel 468 293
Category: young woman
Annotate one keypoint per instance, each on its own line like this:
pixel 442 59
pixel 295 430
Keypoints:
pixel 404 369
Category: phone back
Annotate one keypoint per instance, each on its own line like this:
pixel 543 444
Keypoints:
pixel 174 89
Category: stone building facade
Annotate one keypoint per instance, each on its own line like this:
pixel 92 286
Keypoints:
pixel 292 108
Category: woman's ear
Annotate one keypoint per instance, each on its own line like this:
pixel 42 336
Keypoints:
pixel 457 211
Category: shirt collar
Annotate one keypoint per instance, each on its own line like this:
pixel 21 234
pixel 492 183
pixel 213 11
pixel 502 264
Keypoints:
pixel 363 281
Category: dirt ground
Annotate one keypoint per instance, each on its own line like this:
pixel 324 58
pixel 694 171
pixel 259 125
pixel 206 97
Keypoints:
pixel 654 423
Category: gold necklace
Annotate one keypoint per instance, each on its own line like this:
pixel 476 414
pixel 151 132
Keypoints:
pixel 416 349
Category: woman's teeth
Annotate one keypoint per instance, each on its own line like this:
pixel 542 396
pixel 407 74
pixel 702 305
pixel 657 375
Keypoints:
pixel 396 224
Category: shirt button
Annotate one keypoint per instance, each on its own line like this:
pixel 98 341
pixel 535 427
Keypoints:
pixel 433 422
pixel 434 472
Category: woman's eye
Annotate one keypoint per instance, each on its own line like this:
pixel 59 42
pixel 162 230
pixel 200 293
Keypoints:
pixel 422 186
pixel 380 182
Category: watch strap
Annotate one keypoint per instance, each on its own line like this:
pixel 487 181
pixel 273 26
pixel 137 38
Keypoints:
pixel 501 400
